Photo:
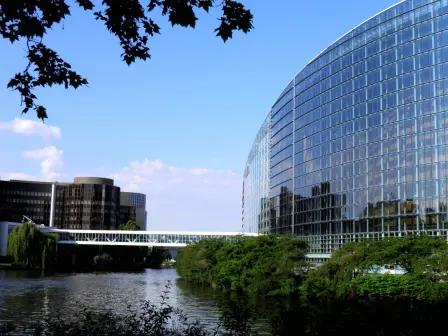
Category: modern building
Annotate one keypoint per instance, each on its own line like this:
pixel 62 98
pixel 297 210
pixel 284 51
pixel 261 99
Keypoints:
pixel 33 199
pixel 89 203
pixel 358 138
pixel 256 201
pixel 133 207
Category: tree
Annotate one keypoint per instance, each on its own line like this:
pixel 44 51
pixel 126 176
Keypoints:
pixel 196 261
pixel 30 246
pixel 130 21
pixel 268 265
pixel 103 261
pixel 130 226
pixel 351 270
pixel 156 256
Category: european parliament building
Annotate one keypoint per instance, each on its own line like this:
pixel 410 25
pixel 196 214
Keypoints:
pixel 356 144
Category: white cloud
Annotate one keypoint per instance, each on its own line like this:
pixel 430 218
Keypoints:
pixel 18 176
pixel 51 160
pixel 30 127
pixel 185 199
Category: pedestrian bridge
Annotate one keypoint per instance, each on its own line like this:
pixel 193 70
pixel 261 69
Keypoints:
pixel 168 239
pixel 137 238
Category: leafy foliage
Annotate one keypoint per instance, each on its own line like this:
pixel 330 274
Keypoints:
pixel 350 269
pixel 195 263
pixel 269 265
pixel 129 20
pixel 156 256
pixel 103 260
pixel 130 226
pixel 30 246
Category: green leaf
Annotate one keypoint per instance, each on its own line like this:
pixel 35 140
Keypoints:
pixel 41 112
pixel 86 4
pixel 205 4
pixel 126 19
pixel 13 82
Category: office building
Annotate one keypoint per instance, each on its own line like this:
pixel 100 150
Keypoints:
pixel 133 207
pixel 256 201
pixel 358 138
pixel 89 203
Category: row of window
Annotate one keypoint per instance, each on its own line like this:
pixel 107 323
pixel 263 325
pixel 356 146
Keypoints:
pixel 311 74
pixel 378 192
pixel 406 167
pixel 410 223
pixel 317 120
pixel 370 57
pixel 401 90
pixel 319 157
pixel 24 193
pixel 27 201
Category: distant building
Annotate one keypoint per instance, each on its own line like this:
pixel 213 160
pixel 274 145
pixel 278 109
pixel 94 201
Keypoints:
pixel 32 199
pixel 133 207
pixel 89 203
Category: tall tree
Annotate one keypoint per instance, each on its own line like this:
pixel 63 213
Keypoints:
pixel 30 246
pixel 28 21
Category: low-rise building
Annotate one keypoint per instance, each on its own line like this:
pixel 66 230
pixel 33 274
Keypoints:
pixel 89 203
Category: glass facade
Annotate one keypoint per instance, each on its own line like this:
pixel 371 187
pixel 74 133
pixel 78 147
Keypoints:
pixel 138 200
pixel 19 198
pixel 86 205
pixel 256 200
pixel 91 207
pixel 358 139
pixel 133 207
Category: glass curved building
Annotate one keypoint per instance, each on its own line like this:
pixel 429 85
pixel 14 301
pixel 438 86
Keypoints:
pixel 358 139
pixel 256 200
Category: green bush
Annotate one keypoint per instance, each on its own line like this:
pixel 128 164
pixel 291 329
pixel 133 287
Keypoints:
pixel 269 265
pixel 352 270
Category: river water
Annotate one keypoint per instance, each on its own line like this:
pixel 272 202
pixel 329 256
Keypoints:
pixel 26 296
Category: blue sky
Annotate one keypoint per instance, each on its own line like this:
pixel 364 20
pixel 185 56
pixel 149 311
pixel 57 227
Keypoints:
pixel 179 126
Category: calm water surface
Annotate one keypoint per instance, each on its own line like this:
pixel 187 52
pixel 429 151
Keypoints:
pixel 25 296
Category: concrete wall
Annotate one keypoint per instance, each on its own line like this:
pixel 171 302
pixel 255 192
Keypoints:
pixel 4 236
pixel 140 218
pixel 125 198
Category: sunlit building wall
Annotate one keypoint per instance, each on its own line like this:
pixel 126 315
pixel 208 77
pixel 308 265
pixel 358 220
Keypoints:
pixel 256 199
pixel 133 207
pixel 358 137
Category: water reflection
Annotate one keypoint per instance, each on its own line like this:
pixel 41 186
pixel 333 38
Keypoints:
pixel 25 296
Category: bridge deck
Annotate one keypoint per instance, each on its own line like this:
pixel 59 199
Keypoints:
pixel 137 238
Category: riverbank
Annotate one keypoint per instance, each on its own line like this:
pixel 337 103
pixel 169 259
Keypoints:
pixel 30 297
pixel 13 266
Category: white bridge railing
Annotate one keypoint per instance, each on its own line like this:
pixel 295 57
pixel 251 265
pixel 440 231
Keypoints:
pixel 137 238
